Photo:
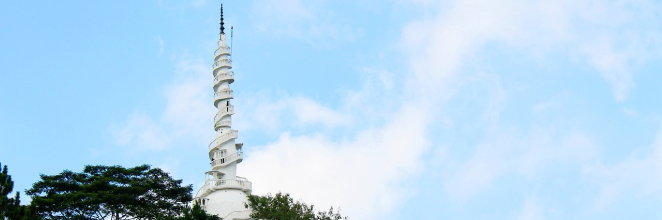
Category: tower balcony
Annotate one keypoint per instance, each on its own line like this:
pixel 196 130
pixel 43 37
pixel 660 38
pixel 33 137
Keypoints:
pixel 219 184
pixel 223 94
pixel 222 111
pixel 222 50
pixel 232 134
pixel 246 214
pixel 219 124
pixel 224 161
pixel 222 63
pixel 224 76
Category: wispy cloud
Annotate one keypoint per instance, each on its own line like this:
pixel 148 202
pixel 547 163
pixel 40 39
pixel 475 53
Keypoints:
pixel 639 175
pixel 393 123
pixel 439 49
pixel 374 163
pixel 187 111
pixel 142 132
pixel 161 45
pixel 303 20
pixel 531 210
pixel 177 5
pixel 605 34
pixel 372 167
pixel 268 112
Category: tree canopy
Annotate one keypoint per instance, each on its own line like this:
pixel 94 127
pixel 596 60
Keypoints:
pixel 195 213
pixel 139 193
pixel 282 206
pixel 110 192
pixel 11 208
pixel 6 187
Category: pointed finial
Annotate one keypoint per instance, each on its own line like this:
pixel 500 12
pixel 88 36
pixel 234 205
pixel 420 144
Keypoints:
pixel 222 23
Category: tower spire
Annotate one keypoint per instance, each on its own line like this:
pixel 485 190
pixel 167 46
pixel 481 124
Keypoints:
pixel 222 23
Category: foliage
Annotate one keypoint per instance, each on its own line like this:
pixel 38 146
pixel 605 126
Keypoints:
pixel 195 213
pixel 281 207
pixel 6 186
pixel 17 211
pixel 11 208
pixel 110 192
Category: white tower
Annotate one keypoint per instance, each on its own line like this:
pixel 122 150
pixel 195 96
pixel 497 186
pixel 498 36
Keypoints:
pixel 224 193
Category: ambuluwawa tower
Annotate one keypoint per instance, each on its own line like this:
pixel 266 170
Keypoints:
pixel 224 193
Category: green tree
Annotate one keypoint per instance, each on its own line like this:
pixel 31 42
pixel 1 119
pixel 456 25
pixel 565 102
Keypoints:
pixel 17 211
pixel 110 192
pixel 195 213
pixel 6 187
pixel 11 208
pixel 283 207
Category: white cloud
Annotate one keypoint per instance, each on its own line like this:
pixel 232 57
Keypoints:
pixel 364 175
pixel 524 153
pixel 544 106
pixel 140 131
pixel 379 97
pixel 326 171
pixel 169 166
pixel 270 113
pixel 189 107
pixel 613 66
pixel 367 173
pixel 187 113
pixel 303 20
pixel 474 175
pixel 531 210
pixel 439 47
pixel 160 43
pixel 638 176
pixel 198 3
pixel 606 34
pixel 308 111
pixel 176 5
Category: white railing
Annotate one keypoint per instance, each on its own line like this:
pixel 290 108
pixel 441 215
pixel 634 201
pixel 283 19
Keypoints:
pixel 229 184
pixel 238 215
pixel 227 159
pixel 219 124
pixel 222 62
pixel 223 110
pixel 213 185
pixel 222 76
pixel 198 194
pixel 222 50
pixel 232 134
pixel 223 94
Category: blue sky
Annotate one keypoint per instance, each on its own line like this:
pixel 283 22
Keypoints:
pixel 420 109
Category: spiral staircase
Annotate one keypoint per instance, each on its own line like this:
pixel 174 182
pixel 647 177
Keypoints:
pixel 222 186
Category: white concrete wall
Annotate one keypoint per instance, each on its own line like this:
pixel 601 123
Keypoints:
pixel 222 202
